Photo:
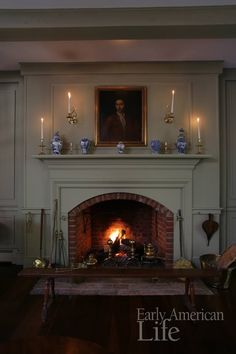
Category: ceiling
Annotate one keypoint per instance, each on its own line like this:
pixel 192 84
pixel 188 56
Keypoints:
pixel 151 30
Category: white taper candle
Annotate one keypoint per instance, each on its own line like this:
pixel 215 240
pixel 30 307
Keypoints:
pixel 172 101
pixel 69 98
pixel 41 133
pixel 198 129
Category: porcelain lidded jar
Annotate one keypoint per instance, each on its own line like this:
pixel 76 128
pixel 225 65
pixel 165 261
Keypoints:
pixel 155 146
pixel 120 147
pixel 181 143
pixel 85 145
pixel 56 144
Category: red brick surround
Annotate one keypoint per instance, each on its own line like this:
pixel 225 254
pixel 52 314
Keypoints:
pixel 149 221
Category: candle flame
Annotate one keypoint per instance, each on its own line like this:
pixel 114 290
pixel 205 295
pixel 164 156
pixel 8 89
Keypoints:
pixel 42 119
pixel 69 95
pixel 173 92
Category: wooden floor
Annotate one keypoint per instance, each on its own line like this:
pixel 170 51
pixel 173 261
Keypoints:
pixel 112 321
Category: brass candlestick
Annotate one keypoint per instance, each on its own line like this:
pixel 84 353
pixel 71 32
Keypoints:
pixel 42 147
pixel 166 148
pixel 199 146
pixel 71 149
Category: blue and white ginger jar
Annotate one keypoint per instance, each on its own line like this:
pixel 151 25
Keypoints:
pixel 85 145
pixel 120 147
pixel 155 146
pixel 56 144
pixel 181 143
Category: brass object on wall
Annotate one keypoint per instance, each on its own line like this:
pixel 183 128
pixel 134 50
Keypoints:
pixel 210 227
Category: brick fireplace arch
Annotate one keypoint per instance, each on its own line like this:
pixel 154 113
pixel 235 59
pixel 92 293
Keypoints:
pixel 160 222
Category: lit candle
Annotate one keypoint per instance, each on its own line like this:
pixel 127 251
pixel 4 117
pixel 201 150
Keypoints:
pixel 198 129
pixel 42 120
pixel 172 101
pixel 69 98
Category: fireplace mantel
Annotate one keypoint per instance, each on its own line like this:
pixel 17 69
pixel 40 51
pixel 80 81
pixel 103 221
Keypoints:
pixel 165 178
pixel 124 156
pixel 158 160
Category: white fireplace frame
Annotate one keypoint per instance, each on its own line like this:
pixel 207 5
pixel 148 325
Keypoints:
pixel 168 179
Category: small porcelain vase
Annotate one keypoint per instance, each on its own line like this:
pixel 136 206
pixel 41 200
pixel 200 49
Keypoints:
pixel 181 143
pixel 56 144
pixel 155 146
pixel 120 147
pixel 85 145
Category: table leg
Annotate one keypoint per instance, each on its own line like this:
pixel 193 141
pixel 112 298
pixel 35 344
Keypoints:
pixel 49 290
pixel 52 287
pixel 190 291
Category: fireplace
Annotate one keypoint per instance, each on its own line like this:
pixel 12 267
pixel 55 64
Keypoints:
pixel 152 187
pixel 93 222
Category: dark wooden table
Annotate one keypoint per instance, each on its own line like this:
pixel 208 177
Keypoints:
pixel 49 274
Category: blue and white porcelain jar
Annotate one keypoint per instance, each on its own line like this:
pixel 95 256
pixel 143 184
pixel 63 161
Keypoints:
pixel 85 145
pixel 56 144
pixel 181 143
pixel 155 146
pixel 120 147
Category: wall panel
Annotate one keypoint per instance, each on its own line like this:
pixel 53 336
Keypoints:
pixel 7 142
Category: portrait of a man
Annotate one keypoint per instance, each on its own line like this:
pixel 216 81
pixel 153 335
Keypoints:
pixel 121 116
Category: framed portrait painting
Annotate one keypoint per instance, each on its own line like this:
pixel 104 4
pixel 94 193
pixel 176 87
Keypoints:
pixel 120 115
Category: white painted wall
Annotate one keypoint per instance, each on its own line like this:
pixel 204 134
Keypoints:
pixel 228 161
pixel 11 160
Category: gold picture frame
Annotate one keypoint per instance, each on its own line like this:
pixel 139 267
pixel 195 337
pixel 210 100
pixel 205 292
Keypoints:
pixel 121 115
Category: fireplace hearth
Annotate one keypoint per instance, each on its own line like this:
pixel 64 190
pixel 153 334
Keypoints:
pixel 117 228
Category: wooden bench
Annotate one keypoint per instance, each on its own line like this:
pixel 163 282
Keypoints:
pixel 49 274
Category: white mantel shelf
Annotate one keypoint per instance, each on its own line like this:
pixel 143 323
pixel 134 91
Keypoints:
pixel 123 156
pixel 169 161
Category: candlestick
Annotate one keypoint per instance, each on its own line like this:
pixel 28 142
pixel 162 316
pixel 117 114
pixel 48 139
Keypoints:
pixel 69 98
pixel 42 147
pixel 198 129
pixel 72 114
pixel 172 101
pixel 199 141
pixel 41 133
pixel 71 148
pixel 199 147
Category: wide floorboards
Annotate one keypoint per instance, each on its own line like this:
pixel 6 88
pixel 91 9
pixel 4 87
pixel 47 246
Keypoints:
pixel 113 322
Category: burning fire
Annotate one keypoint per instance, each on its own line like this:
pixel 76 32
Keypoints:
pixel 115 230
pixel 114 235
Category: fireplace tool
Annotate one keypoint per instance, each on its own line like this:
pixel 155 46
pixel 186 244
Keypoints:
pixel 40 262
pixel 53 246
pixel 61 249
pixel 182 262
pixel 58 247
